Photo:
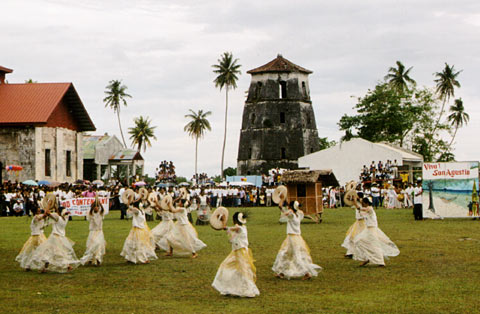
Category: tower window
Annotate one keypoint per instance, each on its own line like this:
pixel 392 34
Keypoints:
pixel 283 89
pixel 304 89
pixel 258 90
pixel 284 152
pixel 250 153
pixel 252 118
pixel 282 117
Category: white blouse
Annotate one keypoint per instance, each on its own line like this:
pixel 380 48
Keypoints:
pixel 182 216
pixel 293 222
pixel 370 217
pixel 239 238
pixel 138 218
pixel 37 224
pixel 96 221
pixel 59 224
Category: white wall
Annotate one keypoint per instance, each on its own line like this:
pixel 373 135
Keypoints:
pixel 347 159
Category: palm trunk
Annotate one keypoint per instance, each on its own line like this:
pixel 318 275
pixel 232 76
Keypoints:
pixel 454 134
pixel 224 133
pixel 438 121
pixel 196 154
pixel 120 126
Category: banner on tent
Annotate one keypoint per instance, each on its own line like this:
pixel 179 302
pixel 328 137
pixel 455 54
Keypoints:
pixel 450 189
pixel 81 205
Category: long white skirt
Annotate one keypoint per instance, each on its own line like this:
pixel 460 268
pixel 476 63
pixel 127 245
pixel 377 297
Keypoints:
pixel 58 252
pixel 95 248
pixel 184 239
pixel 293 259
pixel 26 253
pixel 237 275
pixel 139 246
pixel 373 245
pixel 352 232
pixel 160 233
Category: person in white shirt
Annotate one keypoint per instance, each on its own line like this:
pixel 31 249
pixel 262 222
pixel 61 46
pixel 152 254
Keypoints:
pixel 183 238
pixel 237 274
pixel 409 196
pixel 417 201
pixel 139 247
pixel 293 259
pixel 355 229
pixel 56 254
pixel 96 240
pixel 372 245
pixel 37 237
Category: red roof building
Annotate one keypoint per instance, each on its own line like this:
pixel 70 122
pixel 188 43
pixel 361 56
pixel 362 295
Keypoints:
pixel 41 126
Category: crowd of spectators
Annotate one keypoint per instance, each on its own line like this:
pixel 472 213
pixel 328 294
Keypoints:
pixel 166 172
pixel 380 171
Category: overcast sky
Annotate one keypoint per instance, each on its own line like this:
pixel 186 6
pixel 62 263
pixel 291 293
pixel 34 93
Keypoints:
pixel 163 52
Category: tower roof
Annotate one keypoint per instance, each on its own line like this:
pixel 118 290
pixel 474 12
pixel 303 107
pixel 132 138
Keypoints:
pixel 279 64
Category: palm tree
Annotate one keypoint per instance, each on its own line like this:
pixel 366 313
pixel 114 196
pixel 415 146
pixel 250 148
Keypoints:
pixel 227 70
pixel 142 133
pixel 116 94
pixel 458 117
pixel 446 83
pixel 398 78
pixel 196 128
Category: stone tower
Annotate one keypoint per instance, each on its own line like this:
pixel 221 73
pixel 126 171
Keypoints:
pixel 278 124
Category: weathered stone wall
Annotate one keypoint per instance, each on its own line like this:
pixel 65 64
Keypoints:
pixel 17 147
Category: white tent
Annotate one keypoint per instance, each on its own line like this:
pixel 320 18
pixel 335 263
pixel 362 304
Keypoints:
pixel 347 159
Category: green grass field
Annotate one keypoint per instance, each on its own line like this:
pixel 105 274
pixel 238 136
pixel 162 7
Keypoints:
pixel 437 271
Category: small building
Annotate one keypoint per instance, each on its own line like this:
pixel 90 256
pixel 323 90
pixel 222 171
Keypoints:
pixel 125 164
pixel 97 150
pixel 347 159
pixel 41 130
pixel 278 124
pixel 305 186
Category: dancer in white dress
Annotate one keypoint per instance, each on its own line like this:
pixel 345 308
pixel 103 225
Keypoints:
pixel 56 254
pixel 237 274
pixel 372 245
pixel 96 240
pixel 183 238
pixel 161 231
pixel 293 259
pixel 139 246
pixel 354 230
pixel 36 238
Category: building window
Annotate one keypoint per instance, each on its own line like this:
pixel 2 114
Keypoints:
pixel 282 117
pixel 250 153
pixel 252 118
pixel 48 163
pixel 301 190
pixel 283 89
pixel 68 170
pixel 304 89
pixel 284 152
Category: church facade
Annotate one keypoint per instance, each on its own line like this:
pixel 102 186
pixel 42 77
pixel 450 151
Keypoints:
pixel 278 123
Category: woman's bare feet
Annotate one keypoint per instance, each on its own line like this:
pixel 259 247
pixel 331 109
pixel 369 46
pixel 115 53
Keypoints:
pixel 364 263
pixel 194 255
pixel 279 275
pixel 307 276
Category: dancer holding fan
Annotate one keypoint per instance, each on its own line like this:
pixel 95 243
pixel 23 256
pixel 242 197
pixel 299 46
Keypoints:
pixel 139 246
pixel 161 231
pixel 293 259
pixel 36 238
pixel 237 274
pixel 96 240
pixel 55 254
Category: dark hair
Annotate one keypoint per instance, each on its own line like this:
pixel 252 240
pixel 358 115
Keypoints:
pixel 291 205
pixel 235 217
pixel 367 201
